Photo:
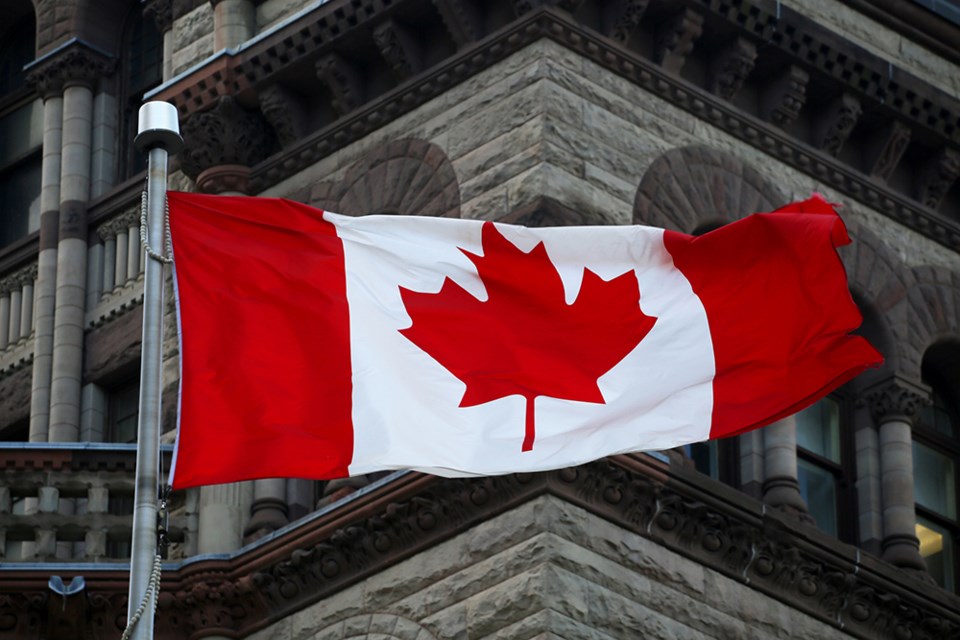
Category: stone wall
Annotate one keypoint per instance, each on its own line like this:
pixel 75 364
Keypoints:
pixel 547 122
pixel 548 569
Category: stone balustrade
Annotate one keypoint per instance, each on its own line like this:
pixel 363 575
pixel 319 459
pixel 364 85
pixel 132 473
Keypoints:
pixel 17 306
pixel 75 502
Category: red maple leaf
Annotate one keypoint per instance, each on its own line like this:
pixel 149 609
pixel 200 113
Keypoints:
pixel 525 339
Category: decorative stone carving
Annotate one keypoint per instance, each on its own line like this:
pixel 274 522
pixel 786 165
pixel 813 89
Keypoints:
pixel 896 398
pixel 937 176
pixel 462 19
pixel 398 47
pixel 228 134
pixel 835 124
pixel 691 187
pixel 284 113
pixel 731 68
pixel 344 81
pixel 409 176
pixel 161 12
pixel 384 626
pixel 77 63
pixel 619 19
pixel 886 149
pixel 675 39
pixel 785 96
pixel 119 224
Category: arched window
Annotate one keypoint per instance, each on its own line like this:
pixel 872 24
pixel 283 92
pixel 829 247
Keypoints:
pixel 21 129
pixel 936 466
pixel 141 63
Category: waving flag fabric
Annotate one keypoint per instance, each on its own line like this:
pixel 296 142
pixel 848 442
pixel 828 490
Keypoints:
pixel 316 345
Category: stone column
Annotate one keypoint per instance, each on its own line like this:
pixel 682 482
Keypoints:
pixel 269 509
pixel 780 486
pixel 161 12
pixel 234 22
pixel 895 403
pixel 45 293
pixel 223 513
pixel 81 69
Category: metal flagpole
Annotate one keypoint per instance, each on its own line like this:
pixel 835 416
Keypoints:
pixel 158 134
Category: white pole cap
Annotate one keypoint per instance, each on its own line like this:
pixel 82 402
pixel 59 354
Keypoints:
pixel 158 126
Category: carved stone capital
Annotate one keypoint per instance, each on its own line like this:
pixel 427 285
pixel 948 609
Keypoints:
pixel 119 224
pixel 228 134
pixel 896 399
pixel 75 63
pixel 836 123
pixel 732 67
pixel 27 276
pixel 785 96
pixel 161 12
pixel 937 176
pixel 343 79
pixel 675 39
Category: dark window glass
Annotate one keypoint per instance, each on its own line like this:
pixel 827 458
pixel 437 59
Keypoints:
pixel 122 414
pixel 824 463
pixel 142 71
pixel 16 50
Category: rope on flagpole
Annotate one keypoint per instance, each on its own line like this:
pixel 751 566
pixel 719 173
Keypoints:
pixel 160 257
pixel 153 587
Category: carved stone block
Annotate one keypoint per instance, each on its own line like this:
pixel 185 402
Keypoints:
pixel 344 81
pixel 883 152
pixel 731 67
pixel 784 97
pixel 675 39
pixel 399 47
pixel 896 398
pixel 937 176
pixel 834 126
pixel 462 18
pixel 620 18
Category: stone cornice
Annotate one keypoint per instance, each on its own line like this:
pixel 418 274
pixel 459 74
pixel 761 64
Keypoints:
pixel 675 507
pixel 889 95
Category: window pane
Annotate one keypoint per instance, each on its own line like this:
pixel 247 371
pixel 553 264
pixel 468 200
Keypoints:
pixel 20 200
pixel 819 490
pixel 935 480
pixel 937 549
pixel 21 131
pixel 818 429
pixel 124 406
pixel 938 417
pixel 705 456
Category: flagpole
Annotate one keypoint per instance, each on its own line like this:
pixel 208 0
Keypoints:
pixel 159 135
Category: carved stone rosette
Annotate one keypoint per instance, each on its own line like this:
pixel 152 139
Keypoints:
pixel 896 399
pixel 77 63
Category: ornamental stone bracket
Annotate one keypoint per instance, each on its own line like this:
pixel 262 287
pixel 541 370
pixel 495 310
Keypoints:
pixel 74 62
pixel 675 39
pixel 732 67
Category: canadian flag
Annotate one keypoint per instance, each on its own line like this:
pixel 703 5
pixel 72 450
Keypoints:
pixel 316 345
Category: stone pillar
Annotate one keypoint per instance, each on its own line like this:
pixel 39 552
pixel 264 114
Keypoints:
pixel 222 515
pixel 780 486
pixel 269 509
pixel 895 403
pixel 45 293
pixel 869 492
pixel 104 155
pixel 71 264
pixel 79 69
pixel 234 22
pixel 161 12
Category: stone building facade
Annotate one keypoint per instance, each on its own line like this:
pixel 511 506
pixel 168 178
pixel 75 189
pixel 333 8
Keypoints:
pixel 838 522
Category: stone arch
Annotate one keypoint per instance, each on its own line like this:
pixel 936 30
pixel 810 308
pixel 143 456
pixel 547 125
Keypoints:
pixel 407 176
pixel 879 282
pixel 696 187
pixel 933 312
pixel 379 626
